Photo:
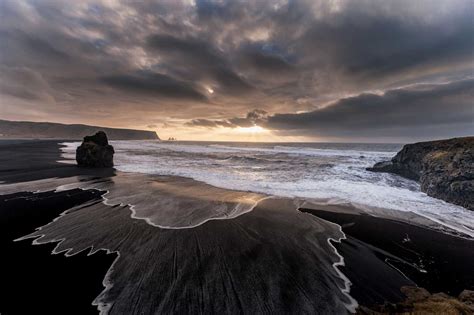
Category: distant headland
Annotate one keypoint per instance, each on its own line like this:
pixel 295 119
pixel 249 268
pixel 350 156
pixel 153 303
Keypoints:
pixel 47 130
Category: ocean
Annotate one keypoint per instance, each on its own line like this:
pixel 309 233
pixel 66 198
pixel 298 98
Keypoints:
pixel 329 173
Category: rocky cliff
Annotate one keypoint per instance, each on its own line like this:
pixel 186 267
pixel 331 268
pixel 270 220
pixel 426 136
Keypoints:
pixel 444 168
pixel 47 130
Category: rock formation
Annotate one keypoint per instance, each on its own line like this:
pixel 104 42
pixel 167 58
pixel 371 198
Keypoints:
pixel 444 168
pixel 95 151
pixel 420 301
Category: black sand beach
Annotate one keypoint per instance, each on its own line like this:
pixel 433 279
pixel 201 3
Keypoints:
pixel 382 255
pixel 273 259
pixel 27 160
pixel 33 280
pixel 253 263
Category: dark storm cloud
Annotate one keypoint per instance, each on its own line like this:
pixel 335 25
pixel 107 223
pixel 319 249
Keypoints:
pixel 395 113
pixel 266 63
pixel 155 84
pixel 41 48
pixel 199 60
pixel 253 118
pixel 207 123
pixel 379 45
pixel 28 49
pixel 23 83
pixel 224 58
pixel 190 49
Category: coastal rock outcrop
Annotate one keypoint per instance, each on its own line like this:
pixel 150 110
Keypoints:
pixel 444 168
pixel 95 151
pixel 420 301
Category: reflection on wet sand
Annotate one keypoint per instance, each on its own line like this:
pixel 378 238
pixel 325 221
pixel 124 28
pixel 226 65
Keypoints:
pixel 271 259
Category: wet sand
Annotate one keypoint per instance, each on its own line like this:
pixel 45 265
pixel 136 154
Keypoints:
pixel 27 160
pixel 266 261
pixel 382 255
pixel 187 247
pixel 236 259
pixel 32 280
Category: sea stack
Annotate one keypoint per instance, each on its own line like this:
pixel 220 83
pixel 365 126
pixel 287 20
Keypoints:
pixel 95 151
pixel 444 168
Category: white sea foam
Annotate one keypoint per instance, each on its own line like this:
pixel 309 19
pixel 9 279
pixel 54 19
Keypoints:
pixel 303 151
pixel 335 174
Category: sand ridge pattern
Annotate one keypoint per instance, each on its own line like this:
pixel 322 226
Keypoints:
pixel 272 259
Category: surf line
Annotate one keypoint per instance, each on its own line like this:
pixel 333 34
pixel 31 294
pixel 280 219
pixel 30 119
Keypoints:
pixel 233 215
pixel 346 290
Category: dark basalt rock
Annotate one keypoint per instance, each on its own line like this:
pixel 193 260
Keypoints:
pixel 420 301
pixel 444 168
pixel 99 138
pixel 95 151
pixel 384 166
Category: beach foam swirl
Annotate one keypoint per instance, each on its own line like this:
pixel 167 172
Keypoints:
pixel 333 173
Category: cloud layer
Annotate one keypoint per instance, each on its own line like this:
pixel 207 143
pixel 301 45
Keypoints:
pixel 335 69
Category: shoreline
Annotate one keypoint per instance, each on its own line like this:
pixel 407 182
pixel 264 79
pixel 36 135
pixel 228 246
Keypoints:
pixel 228 228
pixel 395 194
pixel 50 283
pixel 349 266
pixel 427 258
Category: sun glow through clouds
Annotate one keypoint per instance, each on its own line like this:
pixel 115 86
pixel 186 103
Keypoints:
pixel 253 129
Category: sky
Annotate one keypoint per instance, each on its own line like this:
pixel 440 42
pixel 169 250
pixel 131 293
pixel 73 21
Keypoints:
pixel 281 70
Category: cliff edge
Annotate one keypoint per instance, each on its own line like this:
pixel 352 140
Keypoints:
pixel 48 130
pixel 444 168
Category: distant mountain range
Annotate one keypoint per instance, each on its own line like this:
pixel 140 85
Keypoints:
pixel 47 130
